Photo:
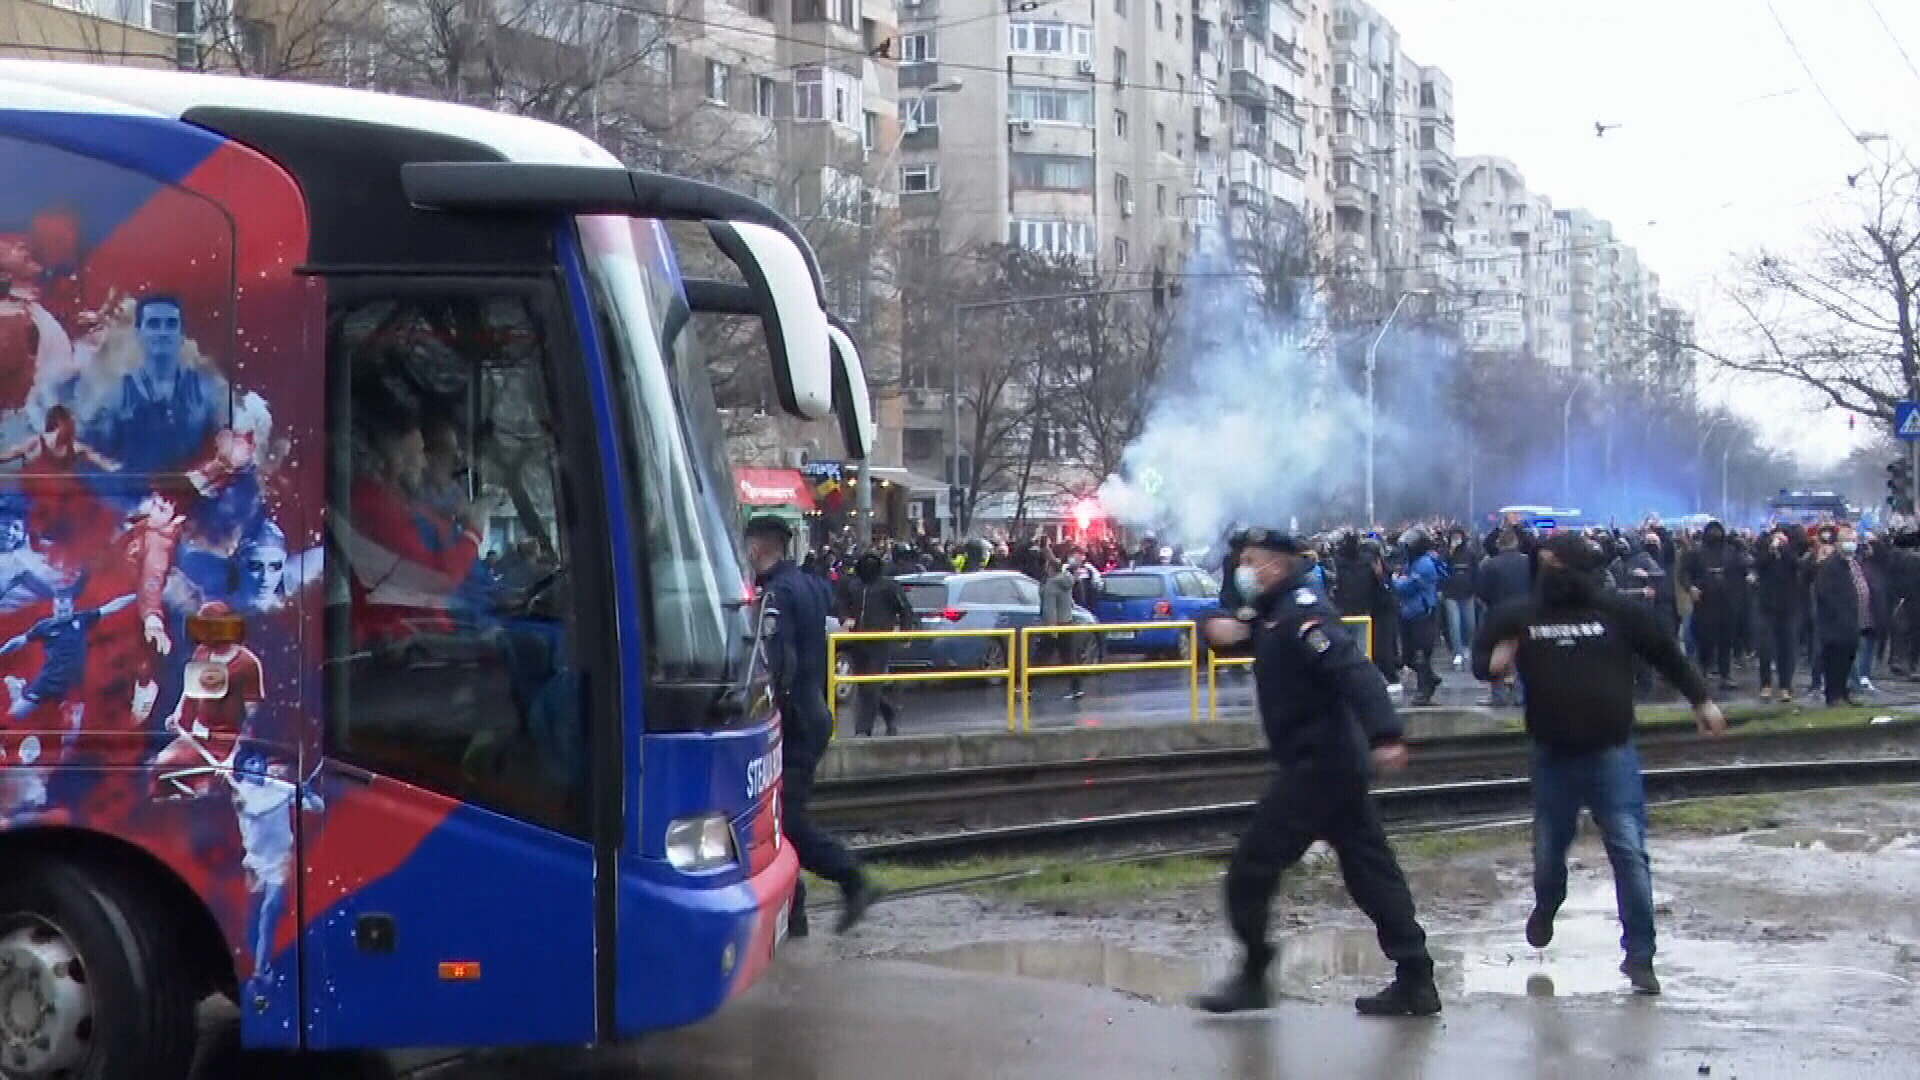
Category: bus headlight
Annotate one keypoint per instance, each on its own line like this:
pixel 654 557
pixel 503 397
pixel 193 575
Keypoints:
pixel 701 843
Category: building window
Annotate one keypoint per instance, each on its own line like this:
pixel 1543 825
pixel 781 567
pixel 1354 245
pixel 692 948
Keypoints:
pixel 809 90
pixel 1159 16
pixel 1052 237
pixel 1122 189
pixel 1160 136
pixel 919 112
pixel 1051 172
pixel 1180 145
pixel 1159 74
pixel 1030 37
pixel 1119 124
pixel 1120 8
pixel 919 48
pixel 1119 67
pixel 1119 251
pixel 919 179
pixel 659 60
pixel 826 94
pixel 1426 95
pixel 719 82
pixel 1177 24
pixel 763 99
pixel 869 130
pixel 1160 199
pixel 1046 105
pixel 846 13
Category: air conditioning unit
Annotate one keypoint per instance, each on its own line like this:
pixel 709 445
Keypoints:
pixel 1025 127
pixel 1086 68
pixel 1126 206
pixel 910 127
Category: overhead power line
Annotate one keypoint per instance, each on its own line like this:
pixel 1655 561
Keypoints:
pixel 1894 38
pixel 1808 68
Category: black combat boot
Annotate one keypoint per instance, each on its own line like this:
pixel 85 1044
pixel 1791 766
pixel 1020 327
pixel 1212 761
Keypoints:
pixel 855 902
pixel 1243 991
pixel 1411 993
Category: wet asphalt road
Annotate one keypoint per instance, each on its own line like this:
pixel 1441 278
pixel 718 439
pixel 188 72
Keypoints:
pixel 817 1017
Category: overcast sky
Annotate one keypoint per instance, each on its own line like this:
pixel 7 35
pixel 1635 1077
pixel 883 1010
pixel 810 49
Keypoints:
pixel 1724 141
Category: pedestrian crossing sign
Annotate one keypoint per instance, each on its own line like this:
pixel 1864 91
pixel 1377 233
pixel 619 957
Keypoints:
pixel 1906 420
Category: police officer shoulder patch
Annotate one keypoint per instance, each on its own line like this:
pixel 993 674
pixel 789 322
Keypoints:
pixel 1316 638
pixel 1305 597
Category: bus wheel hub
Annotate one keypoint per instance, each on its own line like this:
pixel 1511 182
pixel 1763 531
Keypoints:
pixel 46 1013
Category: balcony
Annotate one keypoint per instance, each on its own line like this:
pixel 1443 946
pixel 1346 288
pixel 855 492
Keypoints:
pixel 1207 11
pixel 1438 162
pixel 1351 195
pixel 1347 146
pixel 1247 88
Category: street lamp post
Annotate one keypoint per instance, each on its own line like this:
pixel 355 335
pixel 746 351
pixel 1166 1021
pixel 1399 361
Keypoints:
pixel 1566 446
pixel 1373 358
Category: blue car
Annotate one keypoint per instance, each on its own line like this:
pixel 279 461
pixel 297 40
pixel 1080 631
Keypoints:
pixel 1155 594
pixel 989 600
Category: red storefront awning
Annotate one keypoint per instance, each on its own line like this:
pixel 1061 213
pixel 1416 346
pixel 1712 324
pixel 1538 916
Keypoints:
pixel 772 487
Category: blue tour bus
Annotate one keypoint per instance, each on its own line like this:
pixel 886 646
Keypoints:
pixel 379 653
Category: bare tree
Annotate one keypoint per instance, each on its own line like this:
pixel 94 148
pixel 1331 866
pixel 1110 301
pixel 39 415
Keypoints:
pixel 1841 318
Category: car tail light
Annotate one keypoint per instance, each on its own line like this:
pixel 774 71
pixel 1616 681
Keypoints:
pixel 954 614
pixel 1162 609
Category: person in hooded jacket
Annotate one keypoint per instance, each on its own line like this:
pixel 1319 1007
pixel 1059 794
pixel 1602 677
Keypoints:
pixel 1418 591
pixel 1457 594
pixel 874 603
pixel 1778 603
pixel 1328 721
pixel 1714 572
pixel 1575 646
pixel 1505 578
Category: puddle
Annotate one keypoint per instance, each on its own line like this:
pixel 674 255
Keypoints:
pixel 1730 977
pixel 1849 841
pixel 1154 976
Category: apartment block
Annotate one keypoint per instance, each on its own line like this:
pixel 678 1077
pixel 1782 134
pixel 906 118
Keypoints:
pixel 1558 284
pixel 1390 141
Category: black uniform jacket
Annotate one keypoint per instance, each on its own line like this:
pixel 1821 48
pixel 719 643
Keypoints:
pixel 1322 702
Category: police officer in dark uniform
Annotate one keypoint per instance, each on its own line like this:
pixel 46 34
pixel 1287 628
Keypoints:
pixel 797 605
pixel 1328 719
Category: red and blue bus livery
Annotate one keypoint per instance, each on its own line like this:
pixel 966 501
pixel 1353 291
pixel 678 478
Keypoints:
pixel 377 649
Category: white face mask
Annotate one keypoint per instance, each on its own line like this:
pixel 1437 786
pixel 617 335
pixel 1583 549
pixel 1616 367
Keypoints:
pixel 1247 580
pixel 1848 547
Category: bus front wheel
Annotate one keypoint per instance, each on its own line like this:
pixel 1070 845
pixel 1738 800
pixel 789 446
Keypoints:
pixel 94 987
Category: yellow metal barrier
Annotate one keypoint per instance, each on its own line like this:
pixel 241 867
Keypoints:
pixel 1191 665
pixel 1215 662
pixel 1009 638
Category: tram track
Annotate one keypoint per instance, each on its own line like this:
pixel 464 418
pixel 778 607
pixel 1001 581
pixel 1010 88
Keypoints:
pixel 956 801
pixel 1204 828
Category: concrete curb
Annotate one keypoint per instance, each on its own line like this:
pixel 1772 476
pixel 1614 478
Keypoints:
pixel 852 758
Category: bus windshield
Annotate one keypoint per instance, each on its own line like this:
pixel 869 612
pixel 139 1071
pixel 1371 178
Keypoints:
pixel 699 633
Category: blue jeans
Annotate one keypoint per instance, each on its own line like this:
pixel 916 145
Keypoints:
pixel 1863 657
pixel 1461 620
pixel 1608 784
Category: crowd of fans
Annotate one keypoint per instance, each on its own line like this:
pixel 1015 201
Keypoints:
pixel 1838 603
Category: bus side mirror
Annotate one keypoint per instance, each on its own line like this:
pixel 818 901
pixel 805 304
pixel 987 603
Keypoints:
pixel 778 276
pixel 852 401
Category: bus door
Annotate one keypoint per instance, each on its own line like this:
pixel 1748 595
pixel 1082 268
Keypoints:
pixel 450 892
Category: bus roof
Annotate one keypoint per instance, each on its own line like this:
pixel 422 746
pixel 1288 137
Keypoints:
pixel 40 84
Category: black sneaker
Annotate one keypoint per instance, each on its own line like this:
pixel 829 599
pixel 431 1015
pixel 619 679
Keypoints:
pixel 854 906
pixel 1640 974
pixel 1540 928
pixel 796 925
pixel 1406 996
pixel 1236 993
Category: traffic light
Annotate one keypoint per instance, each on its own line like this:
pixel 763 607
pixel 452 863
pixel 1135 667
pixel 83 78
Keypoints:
pixel 1900 487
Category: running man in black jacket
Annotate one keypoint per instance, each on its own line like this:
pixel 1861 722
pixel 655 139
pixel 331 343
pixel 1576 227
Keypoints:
pixel 1329 723
pixel 1575 648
